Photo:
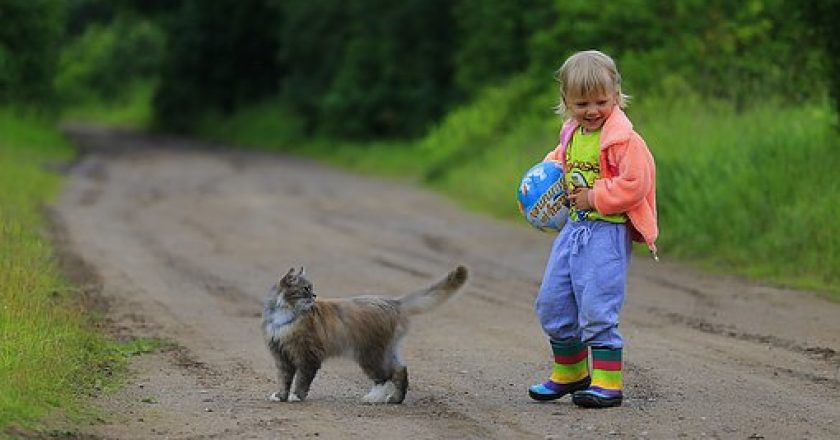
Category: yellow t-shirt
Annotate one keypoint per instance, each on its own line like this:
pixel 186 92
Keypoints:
pixel 583 169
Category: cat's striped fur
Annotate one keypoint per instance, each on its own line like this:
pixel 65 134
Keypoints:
pixel 302 332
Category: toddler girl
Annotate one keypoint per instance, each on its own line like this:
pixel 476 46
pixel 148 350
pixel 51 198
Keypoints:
pixel 611 181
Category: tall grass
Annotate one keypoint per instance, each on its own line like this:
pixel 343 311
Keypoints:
pixel 49 351
pixel 133 109
pixel 273 127
pixel 750 193
pixel 755 192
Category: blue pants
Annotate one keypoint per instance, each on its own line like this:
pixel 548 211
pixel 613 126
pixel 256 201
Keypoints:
pixel 583 286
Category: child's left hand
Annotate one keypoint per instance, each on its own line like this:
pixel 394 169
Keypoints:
pixel 580 198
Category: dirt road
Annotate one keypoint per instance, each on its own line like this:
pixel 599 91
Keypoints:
pixel 184 241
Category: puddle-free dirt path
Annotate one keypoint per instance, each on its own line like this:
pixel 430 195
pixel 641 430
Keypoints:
pixel 185 241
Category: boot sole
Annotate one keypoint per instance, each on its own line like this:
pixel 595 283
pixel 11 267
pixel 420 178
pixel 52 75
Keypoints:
pixel 547 397
pixel 544 397
pixel 587 400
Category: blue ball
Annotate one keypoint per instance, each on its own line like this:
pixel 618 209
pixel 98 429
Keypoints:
pixel 542 196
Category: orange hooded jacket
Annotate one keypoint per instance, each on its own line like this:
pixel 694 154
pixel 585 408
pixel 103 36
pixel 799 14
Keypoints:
pixel 628 175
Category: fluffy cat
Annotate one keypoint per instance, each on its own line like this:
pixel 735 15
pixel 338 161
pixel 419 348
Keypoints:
pixel 301 332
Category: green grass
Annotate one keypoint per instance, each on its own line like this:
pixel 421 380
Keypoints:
pixel 272 127
pixel 134 110
pixel 51 354
pixel 753 193
pixel 749 193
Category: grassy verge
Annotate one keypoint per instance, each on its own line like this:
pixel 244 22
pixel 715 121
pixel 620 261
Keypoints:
pixel 753 193
pixel 748 193
pixel 51 355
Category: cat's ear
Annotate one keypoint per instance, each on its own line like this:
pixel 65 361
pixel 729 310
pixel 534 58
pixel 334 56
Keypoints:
pixel 286 279
pixel 302 272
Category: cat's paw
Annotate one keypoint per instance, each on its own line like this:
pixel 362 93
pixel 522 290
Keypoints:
pixel 383 393
pixel 279 396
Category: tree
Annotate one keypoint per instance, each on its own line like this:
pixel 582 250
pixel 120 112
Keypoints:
pixel 491 42
pixel 222 54
pixel 824 14
pixel 313 37
pixel 394 77
pixel 29 41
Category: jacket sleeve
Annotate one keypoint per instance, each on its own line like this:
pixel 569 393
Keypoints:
pixel 632 178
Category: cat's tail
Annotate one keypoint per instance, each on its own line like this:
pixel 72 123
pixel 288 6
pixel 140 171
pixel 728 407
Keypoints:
pixel 426 299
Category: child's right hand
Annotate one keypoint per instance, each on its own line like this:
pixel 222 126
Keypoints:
pixel 580 198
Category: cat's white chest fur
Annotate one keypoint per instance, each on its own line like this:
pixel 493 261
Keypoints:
pixel 279 324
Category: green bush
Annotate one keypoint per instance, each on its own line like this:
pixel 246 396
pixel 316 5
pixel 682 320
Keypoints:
pixel 29 41
pixel 372 69
pixel 821 16
pixel 313 36
pixel 106 61
pixel 739 52
pixel 221 54
pixel 393 79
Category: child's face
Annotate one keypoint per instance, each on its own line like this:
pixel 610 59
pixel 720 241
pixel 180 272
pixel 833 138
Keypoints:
pixel 592 111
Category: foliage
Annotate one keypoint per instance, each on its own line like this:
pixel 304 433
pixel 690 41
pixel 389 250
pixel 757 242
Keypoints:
pixel 740 52
pixel 373 69
pixel 823 15
pixel 480 151
pixel 341 69
pixel 730 188
pixel 370 94
pixel 133 109
pixel 82 14
pixel 492 41
pixel 103 62
pixel 273 126
pixel 467 131
pixel 221 54
pixel 376 69
pixel 29 36
pixel 312 36
pixel 264 125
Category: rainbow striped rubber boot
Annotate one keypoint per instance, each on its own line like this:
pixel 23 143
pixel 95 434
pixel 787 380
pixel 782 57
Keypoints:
pixel 569 374
pixel 607 383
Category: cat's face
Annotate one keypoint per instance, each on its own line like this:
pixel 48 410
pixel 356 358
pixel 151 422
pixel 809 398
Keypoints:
pixel 295 291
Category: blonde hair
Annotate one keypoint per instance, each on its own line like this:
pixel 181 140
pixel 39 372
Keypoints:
pixel 586 73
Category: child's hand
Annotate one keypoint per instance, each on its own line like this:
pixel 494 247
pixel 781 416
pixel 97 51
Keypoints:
pixel 580 198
